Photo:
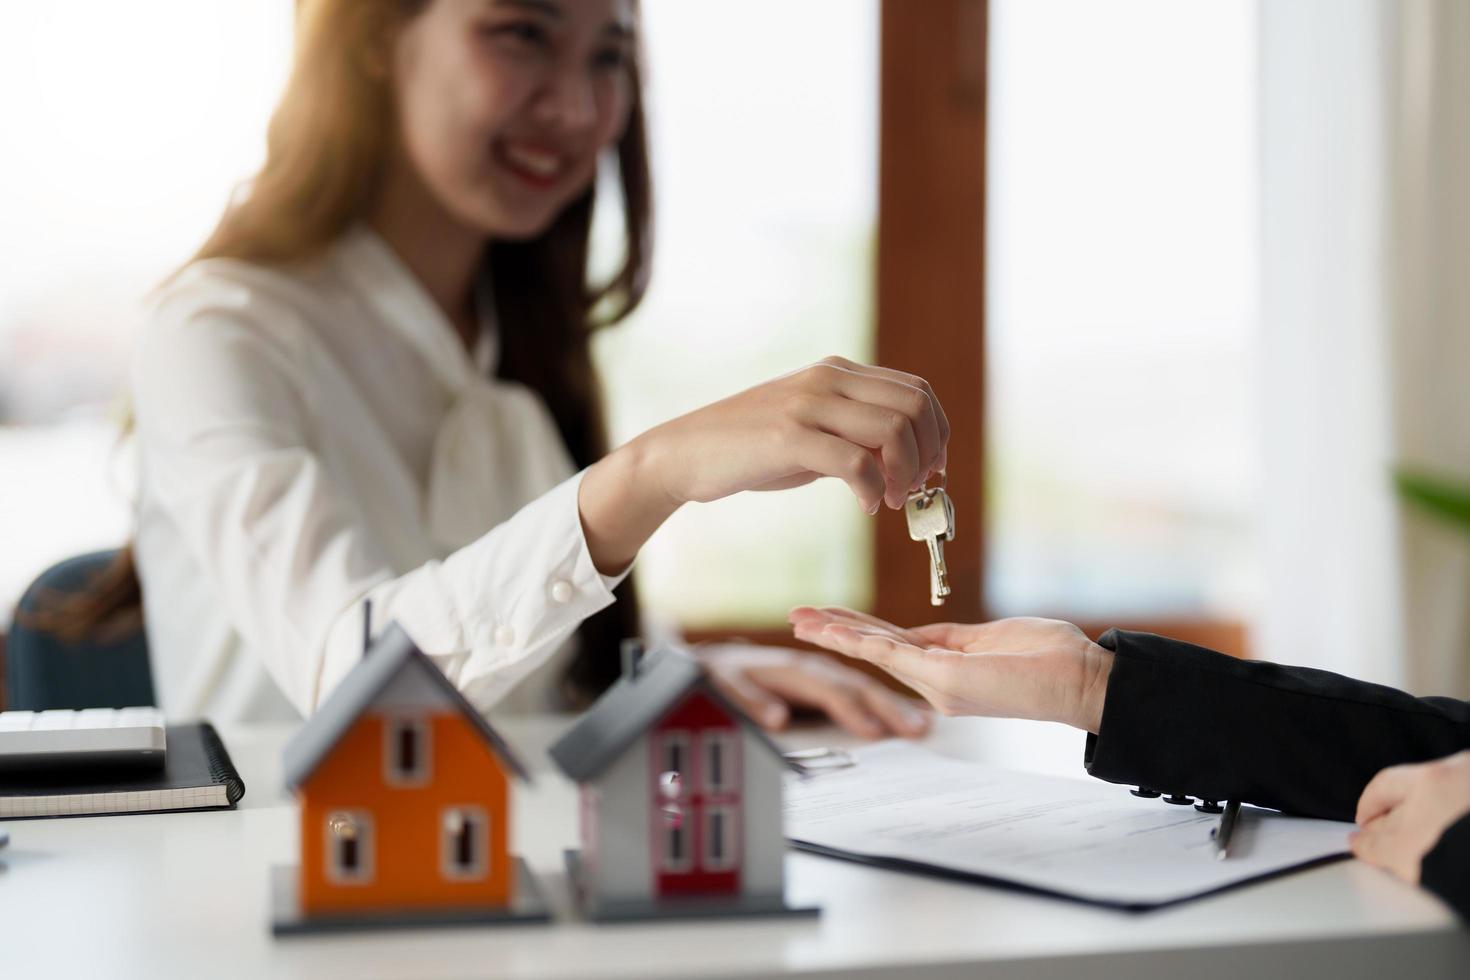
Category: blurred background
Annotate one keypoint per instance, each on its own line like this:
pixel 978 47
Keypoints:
pixel 1189 276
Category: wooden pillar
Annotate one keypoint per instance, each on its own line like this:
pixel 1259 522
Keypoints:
pixel 931 273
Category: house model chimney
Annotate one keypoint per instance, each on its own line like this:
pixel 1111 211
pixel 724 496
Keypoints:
pixel 632 651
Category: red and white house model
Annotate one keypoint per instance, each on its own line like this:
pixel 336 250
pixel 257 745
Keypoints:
pixel 680 799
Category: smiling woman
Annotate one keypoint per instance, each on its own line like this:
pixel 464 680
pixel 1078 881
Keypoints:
pixel 458 90
pixel 373 383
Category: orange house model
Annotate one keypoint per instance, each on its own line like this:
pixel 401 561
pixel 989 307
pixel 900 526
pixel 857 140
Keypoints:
pixel 405 793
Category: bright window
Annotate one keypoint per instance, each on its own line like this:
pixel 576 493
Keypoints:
pixel 1122 308
pixel 126 126
pixel 764 151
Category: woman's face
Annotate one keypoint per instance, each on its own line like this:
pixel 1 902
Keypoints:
pixel 505 105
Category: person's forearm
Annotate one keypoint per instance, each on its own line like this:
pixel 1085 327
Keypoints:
pixel 622 503
pixel 1183 719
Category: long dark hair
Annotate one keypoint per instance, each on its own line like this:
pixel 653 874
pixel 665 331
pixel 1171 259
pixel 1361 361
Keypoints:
pixel 325 146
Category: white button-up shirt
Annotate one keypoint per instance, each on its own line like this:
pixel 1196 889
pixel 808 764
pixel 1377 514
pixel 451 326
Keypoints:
pixel 312 438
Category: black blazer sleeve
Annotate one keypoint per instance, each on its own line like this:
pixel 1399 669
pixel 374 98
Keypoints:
pixel 1446 869
pixel 1184 719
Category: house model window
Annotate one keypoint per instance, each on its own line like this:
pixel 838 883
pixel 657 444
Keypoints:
pixel 673 756
pixel 719 838
pixel 464 843
pixel 349 849
pixel 406 751
pixel 719 754
pixel 676 752
pixel 676 847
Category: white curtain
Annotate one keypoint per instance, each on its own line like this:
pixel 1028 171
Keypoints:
pixel 1429 249
pixel 1365 291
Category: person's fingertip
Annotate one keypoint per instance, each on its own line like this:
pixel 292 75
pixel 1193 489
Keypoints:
pixel 774 716
pixel 910 722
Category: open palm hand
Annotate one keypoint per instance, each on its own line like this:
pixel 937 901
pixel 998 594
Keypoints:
pixel 1042 669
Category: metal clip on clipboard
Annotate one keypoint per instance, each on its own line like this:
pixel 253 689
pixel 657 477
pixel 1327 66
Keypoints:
pixel 811 761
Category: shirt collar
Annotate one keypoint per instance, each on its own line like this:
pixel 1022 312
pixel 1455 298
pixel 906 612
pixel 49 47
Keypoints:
pixel 387 285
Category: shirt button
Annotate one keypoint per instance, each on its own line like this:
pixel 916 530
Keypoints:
pixel 504 636
pixel 561 590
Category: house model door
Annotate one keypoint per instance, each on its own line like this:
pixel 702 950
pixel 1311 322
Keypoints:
pixel 696 795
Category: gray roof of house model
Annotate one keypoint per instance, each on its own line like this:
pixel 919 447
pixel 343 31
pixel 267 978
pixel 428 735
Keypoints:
pixel 632 706
pixel 390 653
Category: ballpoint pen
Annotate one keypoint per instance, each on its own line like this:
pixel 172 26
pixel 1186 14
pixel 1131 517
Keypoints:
pixel 1223 833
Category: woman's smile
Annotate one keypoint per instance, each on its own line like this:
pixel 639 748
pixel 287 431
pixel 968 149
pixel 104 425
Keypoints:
pixel 537 166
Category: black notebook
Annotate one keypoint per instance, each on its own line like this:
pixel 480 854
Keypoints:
pixel 196 775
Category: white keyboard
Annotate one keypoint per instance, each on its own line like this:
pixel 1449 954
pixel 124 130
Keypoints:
pixel 100 736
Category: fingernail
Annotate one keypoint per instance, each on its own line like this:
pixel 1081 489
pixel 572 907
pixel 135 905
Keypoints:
pixel 874 509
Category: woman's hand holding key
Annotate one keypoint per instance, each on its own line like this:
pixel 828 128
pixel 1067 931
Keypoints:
pixel 1042 669
pixel 881 431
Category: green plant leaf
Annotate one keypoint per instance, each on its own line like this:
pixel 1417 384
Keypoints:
pixel 1444 497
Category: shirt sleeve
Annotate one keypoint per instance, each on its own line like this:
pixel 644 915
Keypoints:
pixel 1445 870
pixel 225 433
pixel 1180 718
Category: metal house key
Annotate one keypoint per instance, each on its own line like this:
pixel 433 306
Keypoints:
pixel 930 515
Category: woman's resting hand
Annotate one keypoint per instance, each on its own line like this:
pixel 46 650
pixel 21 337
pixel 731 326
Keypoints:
pixel 767 682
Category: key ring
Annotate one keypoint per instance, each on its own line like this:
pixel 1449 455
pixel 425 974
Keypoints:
pixel 929 491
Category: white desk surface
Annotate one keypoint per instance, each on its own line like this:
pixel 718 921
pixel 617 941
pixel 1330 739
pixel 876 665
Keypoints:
pixel 185 895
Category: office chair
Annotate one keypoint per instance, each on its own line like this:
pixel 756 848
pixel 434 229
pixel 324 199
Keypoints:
pixel 43 671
